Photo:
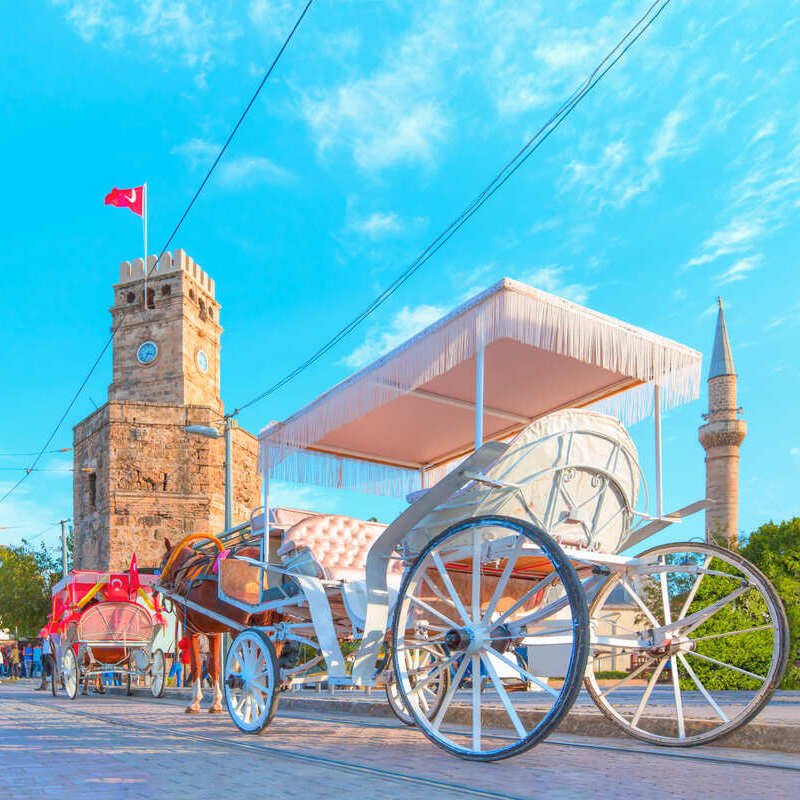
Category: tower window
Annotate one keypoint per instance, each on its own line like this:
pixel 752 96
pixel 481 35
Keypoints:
pixel 130 297
pixel 166 290
pixel 191 294
pixel 92 477
pixel 151 298
pixel 202 310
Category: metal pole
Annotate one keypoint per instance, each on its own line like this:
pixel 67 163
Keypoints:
pixel 63 548
pixel 228 474
pixel 479 397
pixel 657 416
pixel 144 228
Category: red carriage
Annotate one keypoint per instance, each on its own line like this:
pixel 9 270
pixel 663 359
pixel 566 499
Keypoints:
pixel 105 623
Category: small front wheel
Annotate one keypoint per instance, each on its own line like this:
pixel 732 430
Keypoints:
pixel 251 681
pixel 158 674
pixel 71 673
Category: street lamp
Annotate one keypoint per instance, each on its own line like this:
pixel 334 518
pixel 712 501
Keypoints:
pixel 212 433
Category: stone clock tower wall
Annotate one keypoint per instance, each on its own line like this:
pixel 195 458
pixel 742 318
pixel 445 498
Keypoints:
pixel 139 477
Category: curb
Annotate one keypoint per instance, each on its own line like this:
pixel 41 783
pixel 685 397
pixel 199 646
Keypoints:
pixel 755 735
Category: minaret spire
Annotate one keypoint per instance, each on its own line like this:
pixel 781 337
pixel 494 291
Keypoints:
pixel 721 436
pixel 721 356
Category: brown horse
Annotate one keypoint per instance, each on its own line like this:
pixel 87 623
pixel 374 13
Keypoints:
pixel 191 575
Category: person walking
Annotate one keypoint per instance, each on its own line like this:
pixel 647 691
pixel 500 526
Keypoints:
pixel 47 663
pixel 14 662
pixel 27 660
pixel 2 664
pixel 37 660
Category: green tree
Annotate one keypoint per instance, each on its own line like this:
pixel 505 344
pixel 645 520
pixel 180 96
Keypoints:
pixel 26 577
pixel 775 550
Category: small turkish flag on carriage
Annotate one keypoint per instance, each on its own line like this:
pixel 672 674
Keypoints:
pixel 133 576
pixel 127 198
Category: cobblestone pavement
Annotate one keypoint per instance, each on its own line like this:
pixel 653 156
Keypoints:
pixel 120 747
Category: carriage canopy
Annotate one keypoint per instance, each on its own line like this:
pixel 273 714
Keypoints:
pixel 515 351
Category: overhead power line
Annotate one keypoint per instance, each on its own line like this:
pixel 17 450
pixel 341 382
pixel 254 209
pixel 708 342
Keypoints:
pixel 4 454
pixel 530 147
pixel 175 230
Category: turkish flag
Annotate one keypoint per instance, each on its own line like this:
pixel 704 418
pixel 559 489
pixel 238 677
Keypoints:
pixel 133 576
pixel 127 198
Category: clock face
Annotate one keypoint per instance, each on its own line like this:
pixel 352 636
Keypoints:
pixel 147 352
pixel 202 361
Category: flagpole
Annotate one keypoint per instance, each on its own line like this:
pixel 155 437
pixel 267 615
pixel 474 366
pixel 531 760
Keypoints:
pixel 144 225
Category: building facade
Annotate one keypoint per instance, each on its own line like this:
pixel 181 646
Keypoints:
pixel 139 477
pixel 721 437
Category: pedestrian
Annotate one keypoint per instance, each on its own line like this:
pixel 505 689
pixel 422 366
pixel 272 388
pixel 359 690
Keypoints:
pixel 47 663
pixel 205 654
pixel 27 660
pixel 14 661
pixel 175 670
pixel 2 663
pixel 185 646
pixel 37 660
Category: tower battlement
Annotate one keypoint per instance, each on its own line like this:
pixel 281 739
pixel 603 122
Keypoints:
pixel 181 261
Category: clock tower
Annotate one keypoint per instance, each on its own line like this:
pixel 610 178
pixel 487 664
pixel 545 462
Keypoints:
pixel 139 477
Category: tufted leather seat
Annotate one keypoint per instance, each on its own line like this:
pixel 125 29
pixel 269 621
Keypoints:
pixel 338 544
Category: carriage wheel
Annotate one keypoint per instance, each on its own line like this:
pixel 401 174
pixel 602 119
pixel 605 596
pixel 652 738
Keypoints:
pixel 251 681
pixel 483 590
pixel 702 620
pixel 71 673
pixel 158 674
pixel 128 681
pixel 432 694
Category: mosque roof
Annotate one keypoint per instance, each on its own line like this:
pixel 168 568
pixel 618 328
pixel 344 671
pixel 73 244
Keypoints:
pixel 721 356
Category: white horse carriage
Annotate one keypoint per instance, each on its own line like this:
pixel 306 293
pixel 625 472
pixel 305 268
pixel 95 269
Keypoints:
pixel 508 581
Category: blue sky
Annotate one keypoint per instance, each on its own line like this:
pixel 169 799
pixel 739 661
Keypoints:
pixel 677 179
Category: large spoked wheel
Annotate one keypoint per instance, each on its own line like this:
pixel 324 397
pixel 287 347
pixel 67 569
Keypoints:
pixel 419 661
pixel 500 597
pixel 692 628
pixel 158 674
pixel 251 681
pixel 71 673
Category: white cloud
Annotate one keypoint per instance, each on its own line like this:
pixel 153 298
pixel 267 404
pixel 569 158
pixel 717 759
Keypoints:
pixel 233 172
pixel 407 322
pixel 740 270
pixel 248 171
pixel 737 236
pixel 765 131
pixel 788 317
pixel 621 174
pixel 163 29
pixel 392 115
pixel 377 225
pixel 551 279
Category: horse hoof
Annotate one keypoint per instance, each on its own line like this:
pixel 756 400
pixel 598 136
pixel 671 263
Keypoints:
pixel 215 710
pixel 191 710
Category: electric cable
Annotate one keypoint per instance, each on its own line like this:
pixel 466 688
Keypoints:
pixel 114 330
pixel 533 144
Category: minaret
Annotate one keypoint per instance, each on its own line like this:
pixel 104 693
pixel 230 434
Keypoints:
pixel 721 437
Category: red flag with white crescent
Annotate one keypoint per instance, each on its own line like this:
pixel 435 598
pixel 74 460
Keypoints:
pixel 133 576
pixel 127 198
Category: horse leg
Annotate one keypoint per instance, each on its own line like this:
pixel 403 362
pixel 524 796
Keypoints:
pixel 214 672
pixel 197 684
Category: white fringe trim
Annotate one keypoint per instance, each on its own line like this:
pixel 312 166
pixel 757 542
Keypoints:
pixel 508 310
pixel 339 472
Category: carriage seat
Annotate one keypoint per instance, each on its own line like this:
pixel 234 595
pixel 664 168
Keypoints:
pixel 338 545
